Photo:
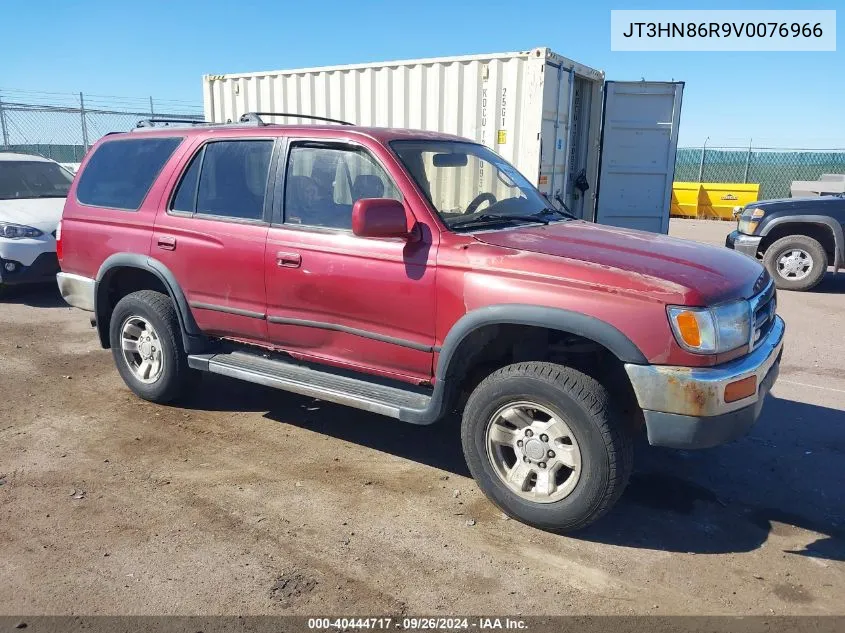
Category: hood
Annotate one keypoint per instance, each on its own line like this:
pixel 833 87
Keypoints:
pixel 40 213
pixel 701 274
pixel 824 204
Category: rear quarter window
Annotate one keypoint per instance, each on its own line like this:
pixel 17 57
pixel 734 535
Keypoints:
pixel 121 172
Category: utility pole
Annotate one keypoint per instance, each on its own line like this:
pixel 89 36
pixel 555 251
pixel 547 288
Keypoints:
pixel 84 122
pixel 701 164
pixel 747 162
pixel 3 125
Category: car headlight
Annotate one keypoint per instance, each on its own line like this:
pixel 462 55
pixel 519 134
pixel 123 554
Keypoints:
pixel 711 330
pixel 18 231
pixel 749 219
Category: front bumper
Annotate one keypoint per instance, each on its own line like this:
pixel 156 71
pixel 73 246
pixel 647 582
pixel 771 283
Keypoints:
pixel 685 407
pixel 742 243
pixel 42 269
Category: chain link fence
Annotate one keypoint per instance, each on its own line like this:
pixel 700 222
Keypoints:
pixel 62 127
pixel 773 169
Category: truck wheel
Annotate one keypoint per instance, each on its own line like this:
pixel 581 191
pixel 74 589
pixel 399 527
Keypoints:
pixel 146 344
pixel 796 262
pixel 545 444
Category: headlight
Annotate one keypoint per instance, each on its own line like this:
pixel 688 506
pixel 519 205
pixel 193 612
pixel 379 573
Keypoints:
pixel 18 231
pixel 711 330
pixel 749 220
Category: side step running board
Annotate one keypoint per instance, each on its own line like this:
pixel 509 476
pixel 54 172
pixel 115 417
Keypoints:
pixel 368 393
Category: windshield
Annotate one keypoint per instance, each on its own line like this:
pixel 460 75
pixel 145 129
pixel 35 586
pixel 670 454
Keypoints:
pixel 471 186
pixel 32 179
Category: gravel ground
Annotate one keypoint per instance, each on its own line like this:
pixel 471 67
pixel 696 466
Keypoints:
pixel 246 500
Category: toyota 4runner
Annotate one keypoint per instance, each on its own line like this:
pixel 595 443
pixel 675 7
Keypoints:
pixel 412 274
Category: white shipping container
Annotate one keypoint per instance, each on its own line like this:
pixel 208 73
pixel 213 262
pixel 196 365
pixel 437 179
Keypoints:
pixel 541 111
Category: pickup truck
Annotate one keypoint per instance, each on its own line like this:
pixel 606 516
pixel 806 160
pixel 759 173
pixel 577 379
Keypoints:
pixel 796 238
pixel 414 275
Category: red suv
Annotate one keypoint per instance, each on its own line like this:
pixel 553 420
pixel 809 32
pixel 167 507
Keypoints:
pixel 413 274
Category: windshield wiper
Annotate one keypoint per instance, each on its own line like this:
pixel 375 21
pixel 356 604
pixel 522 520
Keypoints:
pixel 492 218
pixel 565 213
pixel 552 210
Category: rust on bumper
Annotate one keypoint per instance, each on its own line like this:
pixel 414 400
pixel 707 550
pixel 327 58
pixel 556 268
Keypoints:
pixel 699 391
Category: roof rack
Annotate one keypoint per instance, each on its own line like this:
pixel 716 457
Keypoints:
pixel 167 121
pixel 255 117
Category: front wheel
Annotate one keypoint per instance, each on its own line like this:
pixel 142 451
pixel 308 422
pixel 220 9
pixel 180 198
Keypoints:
pixel 545 444
pixel 146 343
pixel 796 262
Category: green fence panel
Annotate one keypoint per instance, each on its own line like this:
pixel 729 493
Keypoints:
pixel 58 153
pixel 774 171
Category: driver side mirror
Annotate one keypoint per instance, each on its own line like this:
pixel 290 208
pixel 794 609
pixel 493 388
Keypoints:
pixel 379 217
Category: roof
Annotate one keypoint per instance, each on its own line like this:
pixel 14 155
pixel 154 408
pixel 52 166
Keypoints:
pixel 381 134
pixel 23 157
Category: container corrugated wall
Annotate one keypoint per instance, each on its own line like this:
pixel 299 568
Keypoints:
pixel 514 103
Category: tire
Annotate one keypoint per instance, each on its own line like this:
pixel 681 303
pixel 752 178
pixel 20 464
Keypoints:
pixel 596 432
pixel 173 376
pixel 807 251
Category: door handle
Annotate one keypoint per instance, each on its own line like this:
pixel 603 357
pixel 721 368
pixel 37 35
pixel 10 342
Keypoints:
pixel 167 242
pixel 288 260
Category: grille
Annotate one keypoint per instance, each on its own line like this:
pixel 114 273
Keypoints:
pixel 763 310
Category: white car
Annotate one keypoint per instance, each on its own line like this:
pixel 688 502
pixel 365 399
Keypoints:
pixel 32 195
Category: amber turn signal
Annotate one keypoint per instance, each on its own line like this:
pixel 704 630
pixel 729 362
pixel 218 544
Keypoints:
pixel 688 328
pixel 741 389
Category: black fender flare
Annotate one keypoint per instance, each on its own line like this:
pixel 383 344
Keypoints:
pixel 569 321
pixel 515 314
pixel 833 225
pixel 191 334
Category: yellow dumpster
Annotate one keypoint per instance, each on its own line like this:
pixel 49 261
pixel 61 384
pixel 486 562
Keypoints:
pixel 711 200
pixel 718 199
pixel 685 199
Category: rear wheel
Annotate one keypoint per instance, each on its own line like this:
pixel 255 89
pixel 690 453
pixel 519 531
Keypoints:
pixel 146 344
pixel 545 444
pixel 796 262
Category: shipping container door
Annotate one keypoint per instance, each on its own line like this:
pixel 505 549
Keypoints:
pixel 639 141
pixel 554 131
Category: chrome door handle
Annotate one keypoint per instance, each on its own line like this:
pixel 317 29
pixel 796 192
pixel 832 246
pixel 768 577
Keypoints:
pixel 288 260
pixel 167 242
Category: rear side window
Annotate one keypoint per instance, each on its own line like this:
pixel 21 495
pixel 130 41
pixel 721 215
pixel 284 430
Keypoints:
pixel 120 173
pixel 226 179
pixel 186 194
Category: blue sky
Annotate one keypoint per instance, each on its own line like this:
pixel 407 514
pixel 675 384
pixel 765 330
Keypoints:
pixel 162 49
